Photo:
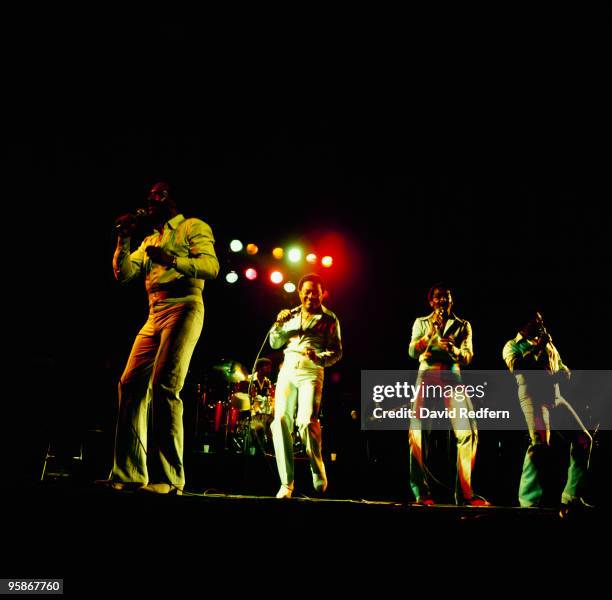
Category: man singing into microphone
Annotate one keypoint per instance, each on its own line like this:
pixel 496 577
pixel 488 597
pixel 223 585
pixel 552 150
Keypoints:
pixel 535 362
pixel 175 260
pixel 311 336
pixel 442 343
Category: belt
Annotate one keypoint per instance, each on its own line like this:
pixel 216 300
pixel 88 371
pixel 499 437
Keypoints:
pixel 174 291
pixel 304 363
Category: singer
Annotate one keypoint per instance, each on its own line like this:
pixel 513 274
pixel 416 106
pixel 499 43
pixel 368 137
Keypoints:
pixel 538 368
pixel 442 343
pixel 311 336
pixel 174 260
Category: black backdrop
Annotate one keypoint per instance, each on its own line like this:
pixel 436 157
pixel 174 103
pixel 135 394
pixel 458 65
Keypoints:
pixel 476 156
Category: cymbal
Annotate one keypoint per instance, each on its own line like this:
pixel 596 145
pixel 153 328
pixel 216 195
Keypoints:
pixel 232 371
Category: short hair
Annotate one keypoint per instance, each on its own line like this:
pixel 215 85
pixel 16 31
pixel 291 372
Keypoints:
pixel 161 186
pixel 311 277
pixel 437 286
pixel 529 321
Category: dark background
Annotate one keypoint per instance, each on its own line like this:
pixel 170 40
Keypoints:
pixel 470 151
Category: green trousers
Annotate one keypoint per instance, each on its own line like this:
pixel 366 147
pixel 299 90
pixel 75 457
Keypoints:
pixel 535 465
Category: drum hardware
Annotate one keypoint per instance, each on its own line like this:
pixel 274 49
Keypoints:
pixel 234 409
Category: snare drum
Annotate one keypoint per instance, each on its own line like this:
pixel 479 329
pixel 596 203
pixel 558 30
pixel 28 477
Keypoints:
pixel 239 398
pixel 240 401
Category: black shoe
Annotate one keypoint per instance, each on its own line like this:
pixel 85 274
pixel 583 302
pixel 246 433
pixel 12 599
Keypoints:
pixel 576 505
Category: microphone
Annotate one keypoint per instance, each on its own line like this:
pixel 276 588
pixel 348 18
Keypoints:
pixel 130 219
pixel 438 319
pixel 542 329
pixel 292 313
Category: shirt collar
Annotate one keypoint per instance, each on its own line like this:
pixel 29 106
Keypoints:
pixel 451 316
pixel 520 337
pixel 175 221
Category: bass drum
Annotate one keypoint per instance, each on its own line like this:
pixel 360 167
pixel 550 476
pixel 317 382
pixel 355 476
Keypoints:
pixel 227 416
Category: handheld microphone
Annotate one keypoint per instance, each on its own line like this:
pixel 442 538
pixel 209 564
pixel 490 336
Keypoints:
pixel 438 319
pixel 292 313
pixel 542 328
pixel 130 219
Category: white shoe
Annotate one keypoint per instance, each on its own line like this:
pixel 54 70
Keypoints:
pixel 285 491
pixel 319 483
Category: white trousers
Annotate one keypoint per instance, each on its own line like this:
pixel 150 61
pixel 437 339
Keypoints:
pixel 298 388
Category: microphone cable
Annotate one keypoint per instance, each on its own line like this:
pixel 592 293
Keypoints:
pixel 251 379
pixel 268 462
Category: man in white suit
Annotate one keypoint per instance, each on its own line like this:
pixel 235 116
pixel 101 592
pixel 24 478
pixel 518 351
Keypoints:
pixel 310 334
pixel 442 343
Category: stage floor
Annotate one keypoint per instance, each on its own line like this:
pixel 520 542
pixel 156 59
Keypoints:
pixel 91 536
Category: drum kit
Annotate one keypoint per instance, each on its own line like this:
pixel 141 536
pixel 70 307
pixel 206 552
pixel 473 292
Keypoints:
pixel 230 404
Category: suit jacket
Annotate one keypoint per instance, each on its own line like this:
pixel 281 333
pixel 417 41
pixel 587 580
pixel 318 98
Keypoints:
pixel 460 332
pixel 322 333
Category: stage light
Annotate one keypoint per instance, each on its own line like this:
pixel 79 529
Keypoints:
pixel 311 258
pixel 236 245
pixel 250 274
pixel 276 277
pixel 327 261
pixel 289 287
pixel 231 277
pixel 252 249
pixel 278 253
pixel 294 255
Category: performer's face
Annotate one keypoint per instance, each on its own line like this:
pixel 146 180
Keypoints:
pixel 310 295
pixel 159 202
pixel 441 301
pixel 265 369
pixel 532 330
